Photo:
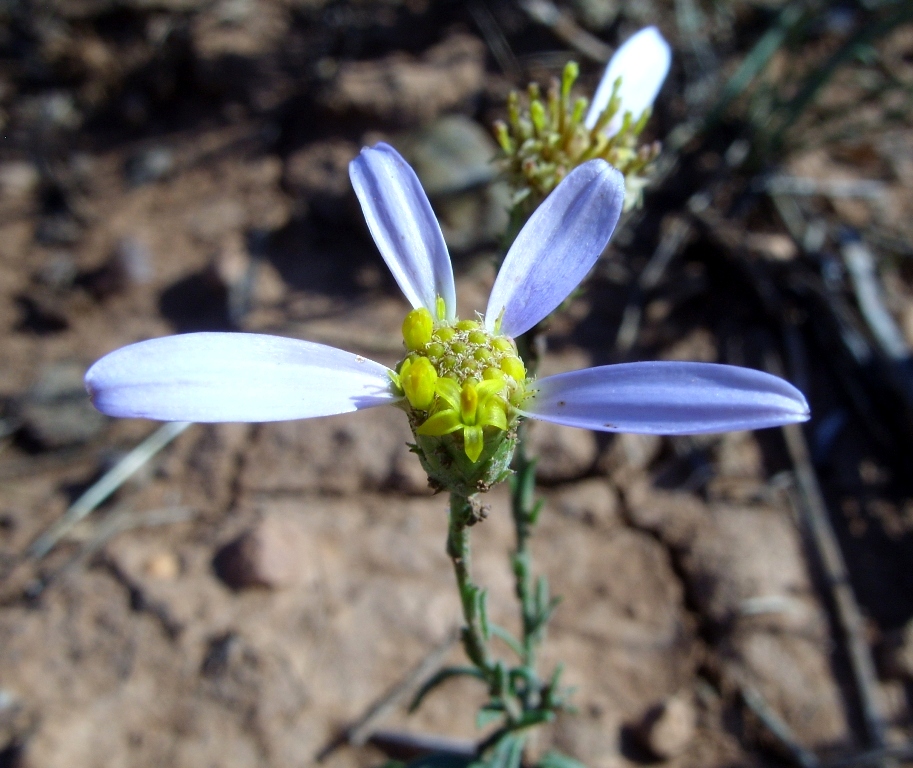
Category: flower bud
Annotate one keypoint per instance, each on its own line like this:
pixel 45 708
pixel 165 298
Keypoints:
pixel 417 328
pixel 418 381
pixel 513 367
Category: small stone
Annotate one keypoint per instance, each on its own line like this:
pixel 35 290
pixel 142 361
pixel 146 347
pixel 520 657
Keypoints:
pixel 773 246
pixel 130 263
pixel 51 110
pixel 668 727
pixel 150 165
pixel 452 154
pixel 163 565
pixel 473 219
pixel 597 15
pixel 135 259
pixel 19 178
pixel 58 272
pixel 275 553
pixel 738 454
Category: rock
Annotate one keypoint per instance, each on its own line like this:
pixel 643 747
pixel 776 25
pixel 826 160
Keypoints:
pixel 49 111
pixel 593 502
pixel 596 14
pixel 470 220
pixel 319 174
pixel 18 179
pixel 149 165
pixel 774 246
pixel 163 565
pixel 453 157
pixel 740 562
pixel 58 272
pixel 406 91
pixel 668 728
pixel 564 453
pixel 56 412
pixel 275 553
pixel 450 155
pixel 131 263
pixel 135 259
pixel 14 724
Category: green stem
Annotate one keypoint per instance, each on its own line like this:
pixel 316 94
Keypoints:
pixel 475 633
pixel 522 486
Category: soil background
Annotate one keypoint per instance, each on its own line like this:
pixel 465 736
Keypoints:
pixel 252 591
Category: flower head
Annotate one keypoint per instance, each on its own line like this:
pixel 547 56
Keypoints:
pixel 461 382
pixel 544 141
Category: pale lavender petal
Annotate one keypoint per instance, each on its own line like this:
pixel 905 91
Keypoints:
pixel 557 248
pixel 210 377
pixel 642 63
pixel 404 226
pixel 667 398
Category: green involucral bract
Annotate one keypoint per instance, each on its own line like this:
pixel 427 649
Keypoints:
pixel 543 143
pixel 462 387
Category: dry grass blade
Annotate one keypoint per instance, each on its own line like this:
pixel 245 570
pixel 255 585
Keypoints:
pixel 106 485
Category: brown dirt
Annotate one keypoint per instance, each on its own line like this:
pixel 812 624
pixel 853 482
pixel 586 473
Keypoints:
pixel 684 572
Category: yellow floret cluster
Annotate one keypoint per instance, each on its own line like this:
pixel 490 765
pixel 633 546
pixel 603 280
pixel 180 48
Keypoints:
pixel 457 377
pixel 545 141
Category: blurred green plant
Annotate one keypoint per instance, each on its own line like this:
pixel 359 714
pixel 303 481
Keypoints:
pixel 784 114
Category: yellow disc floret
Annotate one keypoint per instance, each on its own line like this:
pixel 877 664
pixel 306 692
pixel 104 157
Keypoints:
pixel 459 378
pixel 417 328
pixel 418 378
pixel 544 141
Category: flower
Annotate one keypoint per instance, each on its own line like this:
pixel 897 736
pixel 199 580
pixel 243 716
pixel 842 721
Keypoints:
pixel 461 381
pixel 542 143
pixel 641 65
